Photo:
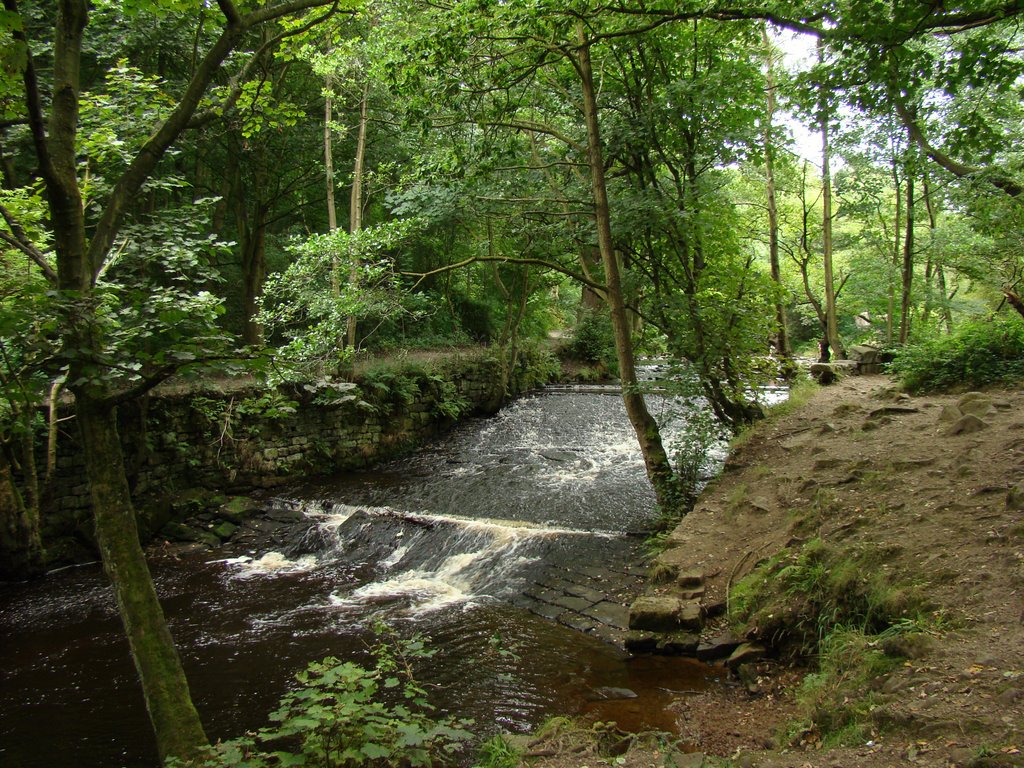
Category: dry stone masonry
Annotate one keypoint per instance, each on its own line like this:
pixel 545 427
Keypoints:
pixel 178 446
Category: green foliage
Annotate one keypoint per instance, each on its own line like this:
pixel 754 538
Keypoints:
pixel 843 609
pixel 836 700
pixel 593 342
pixel 800 596
pixel 496 752
pixel 979 353
pixel 116 121
pixel 270 405
pixel 333 277
pixel 343 715
pixel 389 386
pixel 536 365
pixel 450 403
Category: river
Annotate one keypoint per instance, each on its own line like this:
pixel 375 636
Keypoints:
pixel 447 542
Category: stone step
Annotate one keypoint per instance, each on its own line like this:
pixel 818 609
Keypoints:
pixel 665 613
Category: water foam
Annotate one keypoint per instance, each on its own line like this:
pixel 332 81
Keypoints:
pixel 271 564
pixel 494 552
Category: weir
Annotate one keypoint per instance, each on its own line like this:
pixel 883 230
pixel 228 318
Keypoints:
pixel 502 541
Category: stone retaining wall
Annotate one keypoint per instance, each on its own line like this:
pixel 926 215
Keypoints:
pixel 242 441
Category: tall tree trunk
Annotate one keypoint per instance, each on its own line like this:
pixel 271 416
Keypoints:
pixel 355 211
pixel 947 312
pixel 933 266
pixel 659 470
pixel 80 255
pixel 890 320
pixel 907 273
pixel 831 320
pixel 590 300
pixel 178 729
pixel 52 420
pixel 254 272
pixel 332 212
pixel 780 339
pixel 803 262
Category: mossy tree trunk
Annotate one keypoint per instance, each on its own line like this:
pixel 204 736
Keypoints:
pixel 174 717
pixel 81 252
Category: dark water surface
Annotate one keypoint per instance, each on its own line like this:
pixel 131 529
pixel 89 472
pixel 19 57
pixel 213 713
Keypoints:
pixel 440 543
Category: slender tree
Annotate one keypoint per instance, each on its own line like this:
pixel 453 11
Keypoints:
pixel 82 249
pixel 781 337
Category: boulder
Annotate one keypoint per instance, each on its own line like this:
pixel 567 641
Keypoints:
pixel 823 373
pixel 175 531
pixel 864 354
pixel 746 653
pixel 868 359
pixel 967 425
pixel 977 406
pixel 224 529
pixel 609 693
pixel 238 509
pixel 950 413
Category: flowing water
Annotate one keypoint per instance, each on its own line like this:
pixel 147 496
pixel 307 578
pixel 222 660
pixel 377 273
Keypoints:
pixel 444 543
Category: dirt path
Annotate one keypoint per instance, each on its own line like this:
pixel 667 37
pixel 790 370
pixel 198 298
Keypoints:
pixel 869 467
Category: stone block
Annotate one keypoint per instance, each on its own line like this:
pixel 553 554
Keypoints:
pixel 720 646
pixel 660 613
pixel 746 653
pixel 612 614
pixel 679 644
pixel 641 642
pixel 224 529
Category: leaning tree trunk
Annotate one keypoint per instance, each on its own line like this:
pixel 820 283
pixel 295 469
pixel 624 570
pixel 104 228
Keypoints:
pixel 175 720
pixel 659 470
pixel 79 258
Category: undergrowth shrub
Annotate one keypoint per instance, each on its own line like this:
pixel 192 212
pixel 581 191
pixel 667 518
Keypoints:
pixel 536 366
pixel 797 598
pixel 593 341
pixel 978 353
pixel 842 609
pixel 344 715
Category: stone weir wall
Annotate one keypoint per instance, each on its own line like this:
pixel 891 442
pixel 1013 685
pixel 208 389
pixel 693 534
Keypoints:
pixel 178 445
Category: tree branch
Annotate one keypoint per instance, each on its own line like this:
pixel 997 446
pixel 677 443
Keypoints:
pixel 237 82
pixel 958 169
pixel 18 238
pixel 503 260
pixel 167 133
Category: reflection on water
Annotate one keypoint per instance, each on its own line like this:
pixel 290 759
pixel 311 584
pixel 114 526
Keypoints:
pixel 440 543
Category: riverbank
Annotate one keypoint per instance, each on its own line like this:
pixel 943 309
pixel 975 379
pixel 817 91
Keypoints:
pixel 920 498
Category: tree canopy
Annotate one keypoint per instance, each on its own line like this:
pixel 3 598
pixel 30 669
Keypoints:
pixel 170 173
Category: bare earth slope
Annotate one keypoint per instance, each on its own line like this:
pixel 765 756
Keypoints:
pixel 876 468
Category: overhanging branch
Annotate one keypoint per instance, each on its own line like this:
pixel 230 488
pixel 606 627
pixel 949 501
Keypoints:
pixel 554 267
